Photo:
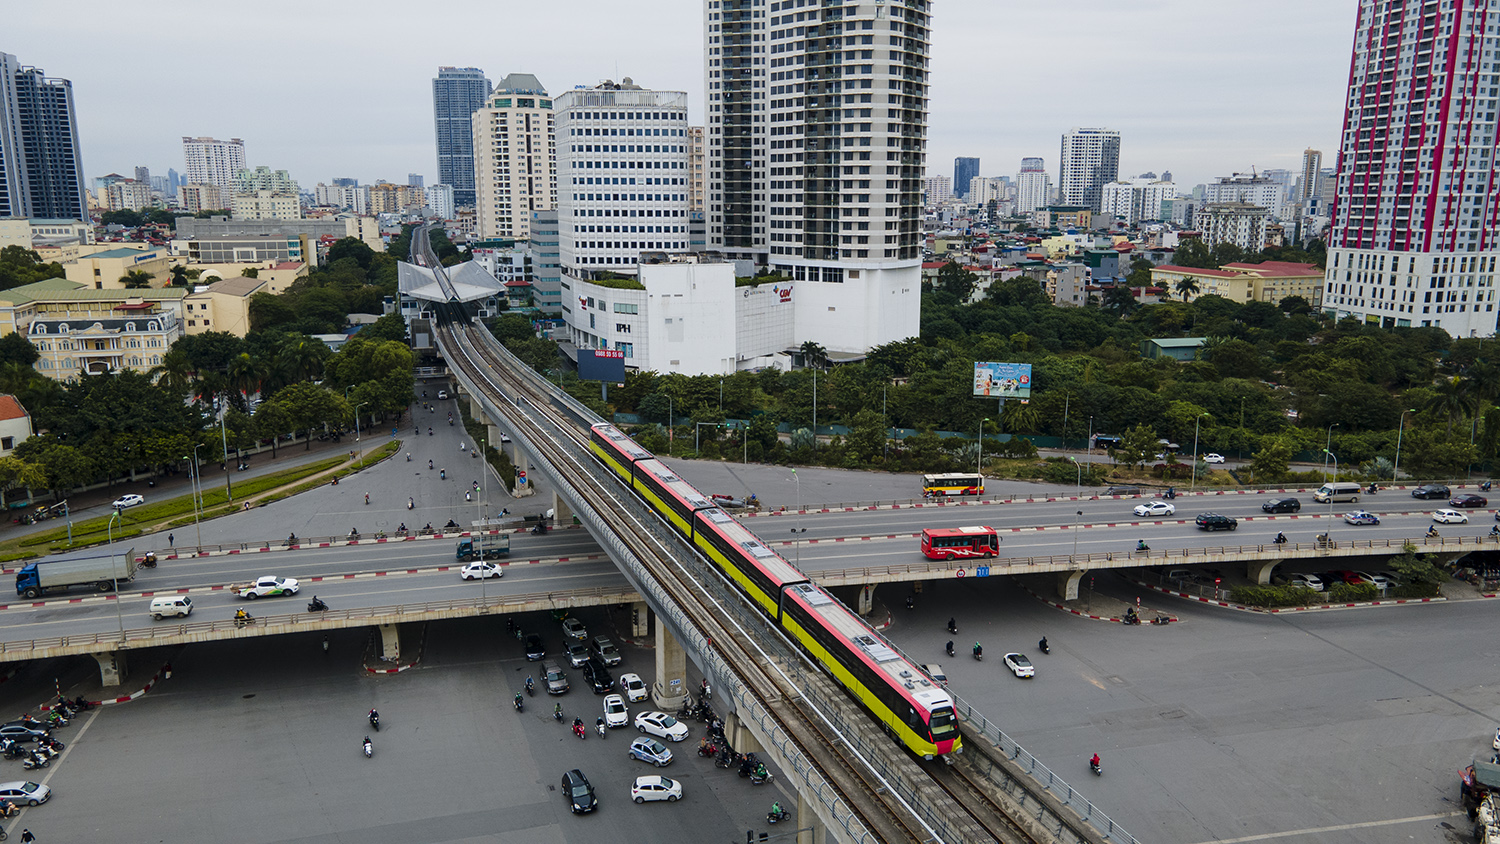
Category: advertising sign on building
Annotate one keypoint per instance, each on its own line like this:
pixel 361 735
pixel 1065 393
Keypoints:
pixel 601 365
pixel 1002 380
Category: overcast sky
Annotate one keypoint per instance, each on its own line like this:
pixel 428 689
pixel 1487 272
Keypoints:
pixel 338 88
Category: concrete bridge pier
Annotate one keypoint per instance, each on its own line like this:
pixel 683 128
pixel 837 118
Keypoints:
pixel 739 736
pixel 670 687
pixel 492 435
pixel 114 669
pixel 390 642
pixel 640 619
pixel 866 599
pixel 1067 584
pixel 562 514
pixel 810 829
pixel 1259 571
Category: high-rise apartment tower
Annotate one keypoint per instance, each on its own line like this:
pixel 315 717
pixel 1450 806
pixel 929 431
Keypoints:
pixel 41 167
pixel 817 138
pixel 1090 160
pixel 1415 232
pixel 457 93
pixel 212 162
pixel 1033 186
pixel 964 171
pixel 515 163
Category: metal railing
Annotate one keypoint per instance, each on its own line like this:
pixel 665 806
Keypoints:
pixel 1039 774
pixel 1126 559
pixel 136 637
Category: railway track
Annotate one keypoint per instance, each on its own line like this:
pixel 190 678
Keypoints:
pixel 964 809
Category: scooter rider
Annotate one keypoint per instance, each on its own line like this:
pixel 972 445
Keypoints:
pixel 1094 762
pixel 1140 545
pixel 978 651
pixel 1280 538
pixel 1042 645
pixel 950 647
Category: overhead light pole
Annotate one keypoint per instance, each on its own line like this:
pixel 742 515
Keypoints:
pixel 1396 471
pixel 359 446
pixel 1196 422
pixel 1329 529
pixel 979 466
pixel 1327 444
pixel 109 533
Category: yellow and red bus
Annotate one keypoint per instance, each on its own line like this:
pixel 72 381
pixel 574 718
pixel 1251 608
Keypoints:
pixel 952 483
pixel 960 543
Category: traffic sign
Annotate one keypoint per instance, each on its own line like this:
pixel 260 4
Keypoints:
pixel 981 571
pixel 960 573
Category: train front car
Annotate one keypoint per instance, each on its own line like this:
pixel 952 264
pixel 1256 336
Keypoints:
pixel 618 451
pixel 759 571
pixel 908 702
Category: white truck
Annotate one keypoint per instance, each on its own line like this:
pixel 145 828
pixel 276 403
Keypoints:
pixel 103 572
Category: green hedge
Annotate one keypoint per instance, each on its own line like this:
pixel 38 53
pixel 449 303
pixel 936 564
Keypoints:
pixel 1348 593
pixel 1274 596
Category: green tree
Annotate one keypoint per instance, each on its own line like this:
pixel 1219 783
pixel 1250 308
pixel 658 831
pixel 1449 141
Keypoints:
pixel 269 311
pixel 1270 463
pixel 352 247
pixel 15 348
pixel 179 276
pixel 866 441
pixel 20 474
pixel 814 356
pixel 250 272
pixel 392 326
pixel 1418 571
pixel 1120 300
pixel 1137 446
pixel 64 467
pixel 309 407
pixel 957 281
pixel 1454 398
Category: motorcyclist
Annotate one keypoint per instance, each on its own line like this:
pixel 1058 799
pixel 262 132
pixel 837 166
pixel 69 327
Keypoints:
pixel 1043 644
pixel 240 614
pixel 529 685
pixel 760 771
pixel 1280 538
pixel 557 711
pixel 950 647
pixel 373 716
pixel 1094 762
pixel 978 651
pixel 952 625
pixel 401 529
pixel 429 464
pixel 1432 530
pixel 776 809
pixel 1140 545
pixel 429 431
pixel 518 700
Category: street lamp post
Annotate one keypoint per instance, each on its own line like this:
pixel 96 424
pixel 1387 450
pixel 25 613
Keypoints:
pixel 360 447
pixel 1396 470
pixel 224 434
pixel 196 479
pixel 1327 444
pixel 1067 399
pixel 1078 493
pixel 1329 529
pixel 1076 519
pixel 1198 420
pixel 799 529
pixel 979 467
pixel 115 570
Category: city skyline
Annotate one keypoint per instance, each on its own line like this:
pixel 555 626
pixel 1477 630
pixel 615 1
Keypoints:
pixel 1197 124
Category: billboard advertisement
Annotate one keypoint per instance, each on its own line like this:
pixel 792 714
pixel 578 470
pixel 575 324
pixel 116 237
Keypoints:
pixel 601 365
pixel 1002 380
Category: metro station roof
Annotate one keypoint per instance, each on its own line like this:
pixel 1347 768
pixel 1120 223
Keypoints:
pixel 470 282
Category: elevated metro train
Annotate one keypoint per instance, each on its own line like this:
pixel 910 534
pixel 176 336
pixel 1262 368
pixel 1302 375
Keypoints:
pixel 909 703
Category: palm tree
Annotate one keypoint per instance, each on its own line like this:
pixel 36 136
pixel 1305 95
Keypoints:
pixel 301 358
pixel 1187 286
pixel 136 279
pixel 179 275
pixel 814 356
pixel 1120 300
pixel 245 374
pixel 175 372
pixel 1455 397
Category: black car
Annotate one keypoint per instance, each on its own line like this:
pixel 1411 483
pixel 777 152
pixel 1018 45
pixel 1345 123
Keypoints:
pixel 1430 491
pixel 1281 505
pixel 1214 521
pixel 598 676
pixel 578 792
pixel 1468 500
pixel 534 649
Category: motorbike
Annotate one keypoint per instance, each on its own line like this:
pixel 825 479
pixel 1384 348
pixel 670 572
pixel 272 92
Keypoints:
pixel 429 432
pixel 557 713
pixel 15 751
pixel 148 560
pixel 1096 767
pixel 54 744
pixel 1280 539
pixel 34 761
pixel 442 474
pixel 1162 619
pixel 375 720
pixel 353 534
pixel 244 620
pixel 429 464
pixel 83 705
pixel 950 647
pixel 46 751
pixel 518 703
pixel 1131 618
pixel 1371 490
pixel 761 776
pixel 369 748
pixel 725 759
pixel 56 720
pixel 410 503
pixel 707 748
pixel 578 729
pixel 952 626
pixel 539 530
pixel 317 605
pixel 1043 646
pixel 748 764
pixel 978 654
pixel 776 815
pixel 408 457
pixel 530 686
pixel 599 725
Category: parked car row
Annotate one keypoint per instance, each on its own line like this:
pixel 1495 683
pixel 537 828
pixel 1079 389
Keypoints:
pixel 1322 581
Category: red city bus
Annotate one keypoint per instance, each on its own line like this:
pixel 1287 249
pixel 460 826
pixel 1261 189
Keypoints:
pixel 959 543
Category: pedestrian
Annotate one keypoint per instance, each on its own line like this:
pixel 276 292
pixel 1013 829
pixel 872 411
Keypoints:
pixel 27 837
pixel 171 538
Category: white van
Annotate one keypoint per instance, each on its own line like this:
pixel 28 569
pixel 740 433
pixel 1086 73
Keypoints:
pixel 178 605
pixel 1340 491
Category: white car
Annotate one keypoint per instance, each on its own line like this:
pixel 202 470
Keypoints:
pixel 1450 517
pixel 442 395
pixel 655 788
pixel 1155 508
pixel 267 587
pixel 34 794
pixel 1213 458
pixel 1376 578
pixel 635 690
pixel 478 570
pixel 1019 665
pixel 127 501
pixel 662 725
pixel 573 629
pixel 615 713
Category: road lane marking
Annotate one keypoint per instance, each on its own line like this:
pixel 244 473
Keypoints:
pixel 1335 828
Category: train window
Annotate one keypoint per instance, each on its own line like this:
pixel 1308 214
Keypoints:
pixel 942 722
